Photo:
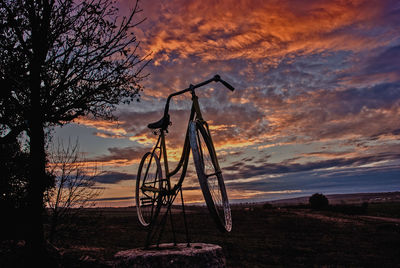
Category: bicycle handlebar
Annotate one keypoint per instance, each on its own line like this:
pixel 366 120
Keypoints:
pixel 216 78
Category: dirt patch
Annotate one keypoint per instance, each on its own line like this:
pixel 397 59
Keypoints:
pixel 385 219
pixel 338 219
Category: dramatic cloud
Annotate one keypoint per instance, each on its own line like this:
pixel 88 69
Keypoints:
pixel 114 177
pixel 317 94
pixel 245 170
pixel 231 29
pixel 323 114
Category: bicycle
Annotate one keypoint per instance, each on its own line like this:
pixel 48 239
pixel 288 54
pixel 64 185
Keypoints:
pixel 153 190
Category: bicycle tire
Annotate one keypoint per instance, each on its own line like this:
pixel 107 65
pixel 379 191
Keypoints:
pixel 210 177
pixel 147 199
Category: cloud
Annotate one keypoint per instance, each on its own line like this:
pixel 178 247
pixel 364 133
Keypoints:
pixel 381 67
pixel 120 156
pixel 114 177
pixel 244 170
pixel 272 118
pixel 262 29
pixel 115 198
pixel 385 62
pixel 312 182
pixel 317 96
pixel 104 125
pixel 331 114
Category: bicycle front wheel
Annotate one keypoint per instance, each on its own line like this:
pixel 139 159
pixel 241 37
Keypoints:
pixel 210 176
pixel 148 187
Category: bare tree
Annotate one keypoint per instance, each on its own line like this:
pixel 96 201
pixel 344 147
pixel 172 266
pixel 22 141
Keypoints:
pixel 61 59
pixel 74 184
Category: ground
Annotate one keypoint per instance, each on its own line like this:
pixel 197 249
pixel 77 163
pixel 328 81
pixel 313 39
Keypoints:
pixel 262 236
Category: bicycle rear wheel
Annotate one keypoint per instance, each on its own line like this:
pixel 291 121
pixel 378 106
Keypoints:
pixel 148 187
pixel 210 176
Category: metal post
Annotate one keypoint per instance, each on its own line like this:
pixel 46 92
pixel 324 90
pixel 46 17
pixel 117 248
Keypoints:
pixel 172 227
pixel 184 218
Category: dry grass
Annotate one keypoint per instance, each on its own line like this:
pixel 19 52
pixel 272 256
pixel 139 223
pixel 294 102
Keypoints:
pixel 260 237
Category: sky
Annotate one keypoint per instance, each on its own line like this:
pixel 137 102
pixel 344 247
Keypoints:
pixel 316 106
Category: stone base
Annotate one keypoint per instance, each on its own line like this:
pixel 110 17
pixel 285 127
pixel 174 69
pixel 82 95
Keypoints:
pixel 168 255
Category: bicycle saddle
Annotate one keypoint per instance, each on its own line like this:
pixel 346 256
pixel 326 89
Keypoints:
pixel 162 123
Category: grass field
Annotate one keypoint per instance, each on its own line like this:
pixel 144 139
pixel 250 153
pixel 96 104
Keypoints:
pixel 261 237
pixel 390 209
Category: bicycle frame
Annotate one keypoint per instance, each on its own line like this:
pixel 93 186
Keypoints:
pixel 167 196
pixel 184 159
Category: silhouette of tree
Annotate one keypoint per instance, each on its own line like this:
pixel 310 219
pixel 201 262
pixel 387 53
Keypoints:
pixel 14 167
pixel 74 185
pixel 318 201
pixel 14 176
pixel 61 59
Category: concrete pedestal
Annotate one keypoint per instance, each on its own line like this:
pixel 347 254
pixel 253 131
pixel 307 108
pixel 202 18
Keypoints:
pixel 168 255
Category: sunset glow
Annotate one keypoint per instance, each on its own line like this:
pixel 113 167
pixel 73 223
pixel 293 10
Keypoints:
pixel 316 106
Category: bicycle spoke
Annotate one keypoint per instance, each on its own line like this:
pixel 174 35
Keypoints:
pixel 210 173
pixel 148 188
pixel 210 176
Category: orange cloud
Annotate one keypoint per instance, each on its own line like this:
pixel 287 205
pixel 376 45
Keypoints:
pixel 272 29
pixel 248 194
pixel 144 139
pixel 109 126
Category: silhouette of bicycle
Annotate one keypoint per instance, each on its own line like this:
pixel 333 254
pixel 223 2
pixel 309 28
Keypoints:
pixel 154 191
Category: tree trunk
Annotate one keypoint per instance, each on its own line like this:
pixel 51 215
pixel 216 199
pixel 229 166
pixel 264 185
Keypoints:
pixel 36 242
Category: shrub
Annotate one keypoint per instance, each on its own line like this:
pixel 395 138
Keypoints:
pixel 318 201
